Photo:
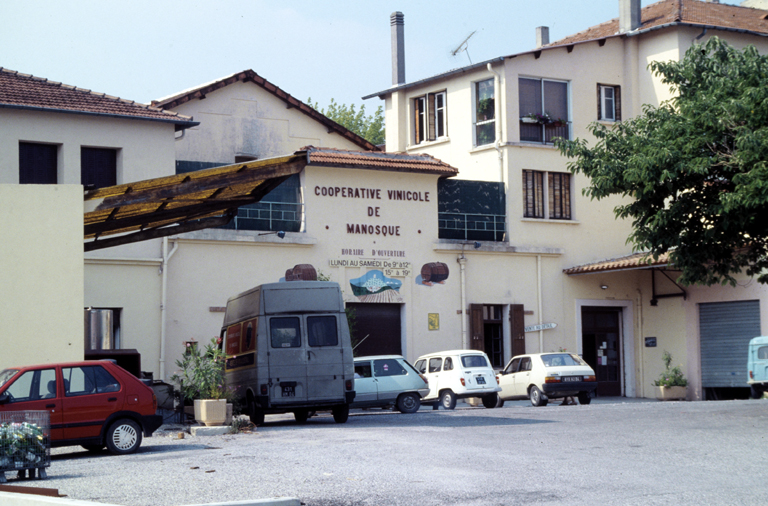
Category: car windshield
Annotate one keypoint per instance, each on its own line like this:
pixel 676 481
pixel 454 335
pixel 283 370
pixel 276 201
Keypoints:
pixel 561 359
pixel 6 375
pixel 473 361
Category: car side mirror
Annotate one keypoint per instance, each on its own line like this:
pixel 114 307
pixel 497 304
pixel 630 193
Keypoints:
pixel 4 398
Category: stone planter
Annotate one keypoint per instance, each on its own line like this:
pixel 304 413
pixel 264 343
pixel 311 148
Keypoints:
pixel 671 393
pixel 211 411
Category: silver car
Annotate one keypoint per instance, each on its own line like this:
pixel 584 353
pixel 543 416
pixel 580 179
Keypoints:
pixel 388 380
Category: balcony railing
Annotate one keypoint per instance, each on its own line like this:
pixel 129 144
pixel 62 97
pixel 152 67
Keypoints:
pixel 537 132
pixel 271 216
pixel 471 227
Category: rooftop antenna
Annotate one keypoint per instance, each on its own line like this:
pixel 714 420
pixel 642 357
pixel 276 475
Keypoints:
pixel 464 47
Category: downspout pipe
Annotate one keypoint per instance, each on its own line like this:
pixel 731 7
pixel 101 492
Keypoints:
pixel 163 302
pixel 540 303
pixel 462 260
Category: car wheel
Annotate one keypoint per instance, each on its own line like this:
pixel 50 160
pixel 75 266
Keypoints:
pixel 537 398
pixel 755 392
pixel 301 415
pixel 254 413
pixel 341 413
pixel 447 399
pixel 123 437
pixel 408 403
pixel 499 401
pixel 585 398
pixel 93 448
pixel 490 400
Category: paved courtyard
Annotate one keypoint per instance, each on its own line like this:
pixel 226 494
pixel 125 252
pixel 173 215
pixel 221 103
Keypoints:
pixel 614 451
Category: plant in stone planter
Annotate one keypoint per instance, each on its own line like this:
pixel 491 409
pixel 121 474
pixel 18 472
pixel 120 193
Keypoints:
pixel 671 383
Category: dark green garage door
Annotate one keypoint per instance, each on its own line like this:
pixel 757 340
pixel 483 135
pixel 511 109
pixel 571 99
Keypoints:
pixel 725 329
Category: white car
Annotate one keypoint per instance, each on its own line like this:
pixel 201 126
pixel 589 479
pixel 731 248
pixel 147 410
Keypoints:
pixel 388 380
pixel 458 374
pixel 543 376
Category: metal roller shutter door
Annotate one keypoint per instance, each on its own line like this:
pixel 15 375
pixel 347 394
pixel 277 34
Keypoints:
pixel 725 329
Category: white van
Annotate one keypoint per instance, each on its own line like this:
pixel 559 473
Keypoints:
pixel 458 374
pixel 288 350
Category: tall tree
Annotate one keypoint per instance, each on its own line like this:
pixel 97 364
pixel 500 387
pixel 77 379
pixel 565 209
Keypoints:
pixel 369 127
pixel 695 169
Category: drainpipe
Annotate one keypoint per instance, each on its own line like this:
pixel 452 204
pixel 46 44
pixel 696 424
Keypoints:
pixel 642 344
pixel 541 317
pixel 462 263
pixel 164 297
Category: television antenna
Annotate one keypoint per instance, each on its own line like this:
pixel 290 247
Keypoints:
pixel 463 47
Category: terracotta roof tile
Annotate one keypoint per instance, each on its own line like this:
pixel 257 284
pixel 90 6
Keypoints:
pixel 635 261
pixel 399 162
pixel 25 91
pixel 292 102
pixel 687 12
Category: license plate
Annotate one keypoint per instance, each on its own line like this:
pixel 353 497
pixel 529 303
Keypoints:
pixel 480 380
pixel 571 378
pixel 289 391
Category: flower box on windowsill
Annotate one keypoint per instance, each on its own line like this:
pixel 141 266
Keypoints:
pixel 526 119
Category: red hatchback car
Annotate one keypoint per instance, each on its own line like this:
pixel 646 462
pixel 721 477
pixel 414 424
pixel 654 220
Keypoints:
pixel 92 404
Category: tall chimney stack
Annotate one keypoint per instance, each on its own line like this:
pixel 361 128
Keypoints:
pixel 398 48
pixel 542 36
pixel 629 15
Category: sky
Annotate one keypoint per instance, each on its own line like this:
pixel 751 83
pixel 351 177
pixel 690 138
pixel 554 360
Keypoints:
pixel 145 50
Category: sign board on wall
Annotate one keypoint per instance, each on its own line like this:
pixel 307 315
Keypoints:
pixel 540 326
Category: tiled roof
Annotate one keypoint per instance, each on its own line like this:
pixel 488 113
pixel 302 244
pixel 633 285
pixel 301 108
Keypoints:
pixel 398 162
pixel 641 260
pixel 201 91
pixel 686 12
pixel 24 91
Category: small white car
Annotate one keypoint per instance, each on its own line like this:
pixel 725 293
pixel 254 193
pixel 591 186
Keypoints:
pixel 388 380
pixel 543 376
pixel 458 374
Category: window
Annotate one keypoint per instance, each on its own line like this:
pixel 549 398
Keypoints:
pixel 485 110
pixel 321 331
pixel 421 366
pixel 388 367
pixel 435 364
pixel 88 380
pixel 608 103
pixel 363 370
pixel 525 364
pixel 543 110
pixel 37 163
pixel 98 167
pixel 33 385
pixel 468 361
pixel 285 332
pixel 429 119
pixel 512 366
pixel 448 366
pixel 558 195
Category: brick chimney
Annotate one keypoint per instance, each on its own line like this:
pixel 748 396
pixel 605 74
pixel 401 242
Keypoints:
pixel 629 15
pixel 398 47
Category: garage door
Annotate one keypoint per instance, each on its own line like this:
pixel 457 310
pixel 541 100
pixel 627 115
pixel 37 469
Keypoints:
pixel 381 323
pixel 725 329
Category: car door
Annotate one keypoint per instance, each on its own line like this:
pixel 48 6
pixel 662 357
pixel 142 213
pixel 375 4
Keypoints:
pixel 38 390
pixel 522 377
pixel 91 395
pixel 391 377
pixel 507 379
pixel 366 389
pixel 325 360
pixel 287 361
pixel 434 368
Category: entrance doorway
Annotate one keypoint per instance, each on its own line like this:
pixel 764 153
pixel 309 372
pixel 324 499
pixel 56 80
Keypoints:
pixel 601 346
pixel 381 324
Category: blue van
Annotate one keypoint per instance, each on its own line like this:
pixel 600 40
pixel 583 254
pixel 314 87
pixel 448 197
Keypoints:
pixel 757 364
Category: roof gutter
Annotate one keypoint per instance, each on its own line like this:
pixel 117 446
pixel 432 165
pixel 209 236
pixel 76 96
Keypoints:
pixel 180 124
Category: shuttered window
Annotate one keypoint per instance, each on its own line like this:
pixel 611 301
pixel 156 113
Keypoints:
pixel 533 193
pixel 98 167
pixel 608 103
pixel 559 196
pixel 37 163
pixel 429 117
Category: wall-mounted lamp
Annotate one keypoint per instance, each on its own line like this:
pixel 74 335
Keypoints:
pixel 280 234
pixel 604 287
pixel 477 244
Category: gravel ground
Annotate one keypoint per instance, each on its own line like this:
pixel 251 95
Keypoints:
pixel 634 453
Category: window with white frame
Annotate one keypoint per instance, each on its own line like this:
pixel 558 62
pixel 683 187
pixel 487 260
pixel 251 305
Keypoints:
pixel 429 117
pixel 608 102
pixel 485 113
pixel 551 201
pixel 543 109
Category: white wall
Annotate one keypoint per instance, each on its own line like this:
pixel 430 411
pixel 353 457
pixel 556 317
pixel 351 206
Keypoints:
pixel 41 320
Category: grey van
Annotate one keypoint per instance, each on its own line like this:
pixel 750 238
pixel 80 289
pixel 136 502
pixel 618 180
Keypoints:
pixel 288 350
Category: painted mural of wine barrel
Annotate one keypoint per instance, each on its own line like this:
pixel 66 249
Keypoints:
pixel 301 272
pixel 434 272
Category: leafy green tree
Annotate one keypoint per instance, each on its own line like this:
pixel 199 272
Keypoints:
pixel 694 169
pixel 369 127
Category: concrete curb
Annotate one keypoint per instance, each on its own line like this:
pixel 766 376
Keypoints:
pixel 274 501
pixel 14 499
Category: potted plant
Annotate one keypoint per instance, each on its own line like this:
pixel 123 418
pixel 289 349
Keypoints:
pixel 201 381
pixel 672 384
pixel 535 117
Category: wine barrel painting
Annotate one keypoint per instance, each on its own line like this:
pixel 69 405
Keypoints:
pixel 301 272
pixel 434 272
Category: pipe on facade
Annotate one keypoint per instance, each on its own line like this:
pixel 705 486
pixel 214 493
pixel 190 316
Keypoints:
pixel 462 263
pixel 541 317
pixel 642 344
pixel 164 297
